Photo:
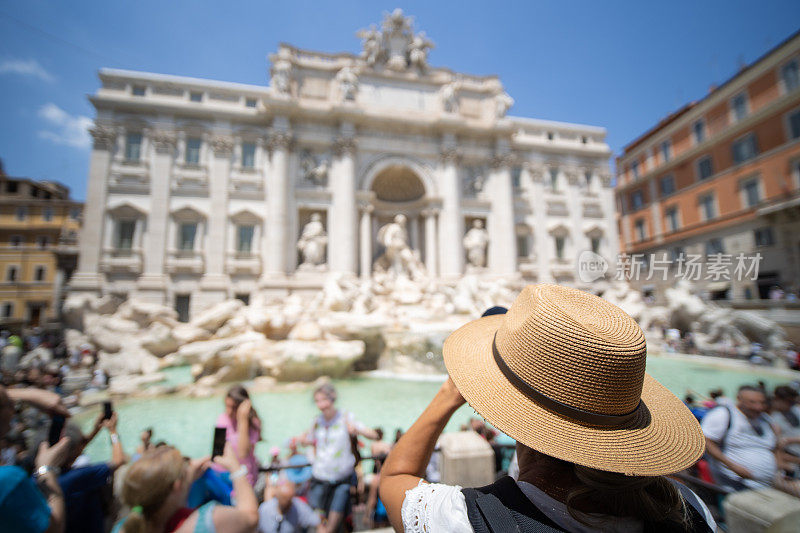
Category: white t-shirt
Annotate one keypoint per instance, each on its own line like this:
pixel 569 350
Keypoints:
pixel 333 458
pixel 743 445
pixel 434 507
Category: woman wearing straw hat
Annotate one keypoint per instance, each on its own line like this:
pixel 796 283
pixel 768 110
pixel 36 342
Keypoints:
pixel 563 373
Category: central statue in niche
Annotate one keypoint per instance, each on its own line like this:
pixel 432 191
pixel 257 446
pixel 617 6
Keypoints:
pixel 398 260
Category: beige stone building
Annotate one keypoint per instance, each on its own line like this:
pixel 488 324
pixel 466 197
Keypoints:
pixel 204 190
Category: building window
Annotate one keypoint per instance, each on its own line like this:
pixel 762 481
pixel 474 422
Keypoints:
pixel 522 246
pixel 637 200
pixel 133 147
pixel 641 232
pixel 12 187
pixel 243 297
pixel 752 197
pixel 15 241
pixel 584 139
pixel 550 135
pixel 248 155
pixel 790 75
pixel 138 90
pixel 794 125
pixel 75 213
pixel 125 232
pixel 34 192
pixel 745 148
pixel 42 241
pixel 714 246
pixel 705 167
pixel 672 218
pixel 186 234
pixel 193 151
pixel 699 131
pixel 635 170
pixel 195 96
pixel 39 273
pixel 739 106
pixel 676 254
pixel 516 177
pixel 554 179
pixel 764 236
pixel 666 150
pixel 707 210
pixel 47 214
pixel 182 302
pixel 595 242
pixel 667 185
pixel 244 240
pixel 559 241
pixel 250 102
pixel 11 273
pixel 22 213
pixel 588 177
pixel 8 309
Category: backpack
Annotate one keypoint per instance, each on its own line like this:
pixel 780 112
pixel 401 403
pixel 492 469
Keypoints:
pixel 502 507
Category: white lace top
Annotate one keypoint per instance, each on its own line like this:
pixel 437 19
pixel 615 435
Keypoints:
pixel 434 507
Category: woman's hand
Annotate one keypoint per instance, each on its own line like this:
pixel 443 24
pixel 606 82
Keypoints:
pixel 54 455
pixel 228 459
pixel 243 411
pixel 111 423
pixel 450 393
pixel 197 467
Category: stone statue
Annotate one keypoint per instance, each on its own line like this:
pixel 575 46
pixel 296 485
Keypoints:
pixel 475 181
pixel 313 171
pixel 281 73
pixel 503 103
pixel 418 51
pixel 371 44
pixel 312 243
pixel 475 242
pixel 397 259
pixel 448 96
pixel 348 83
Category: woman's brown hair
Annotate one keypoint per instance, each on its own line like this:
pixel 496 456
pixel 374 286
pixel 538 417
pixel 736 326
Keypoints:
pixel 148 483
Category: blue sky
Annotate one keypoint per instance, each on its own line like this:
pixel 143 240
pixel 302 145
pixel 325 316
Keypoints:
pixel 613 64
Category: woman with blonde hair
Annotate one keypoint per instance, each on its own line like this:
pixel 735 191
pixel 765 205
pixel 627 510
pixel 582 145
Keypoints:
pixel 563 374
pixel 156 487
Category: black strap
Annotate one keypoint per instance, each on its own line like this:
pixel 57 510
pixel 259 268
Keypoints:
pixel 581 415
pixel 496 514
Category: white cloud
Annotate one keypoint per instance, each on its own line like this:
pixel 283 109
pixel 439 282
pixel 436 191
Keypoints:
pixel 70 130
pixel 23 67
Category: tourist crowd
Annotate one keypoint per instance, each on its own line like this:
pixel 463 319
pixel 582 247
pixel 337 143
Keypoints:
pixel 328 478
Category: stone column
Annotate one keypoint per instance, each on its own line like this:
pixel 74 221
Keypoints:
pixel 214 284
pixel 542 239
pixel 277 202
pixel 451 221
pixel 342 231
pixel 502 237
pixel 431 246
pixel 365 240
pixel 88 278
pixel 413 227
pixel 152 284
pixel 608 202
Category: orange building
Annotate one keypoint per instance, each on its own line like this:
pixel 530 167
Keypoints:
pixel 39 227
pixel 720 176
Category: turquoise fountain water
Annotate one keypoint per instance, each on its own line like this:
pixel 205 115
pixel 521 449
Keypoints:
pixel 188 423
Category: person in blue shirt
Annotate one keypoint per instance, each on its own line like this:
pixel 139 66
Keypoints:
pixel 286 513
pixel 32 505
pixel 84 487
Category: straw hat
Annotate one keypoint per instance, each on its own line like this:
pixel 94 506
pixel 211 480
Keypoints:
pixel 563 372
